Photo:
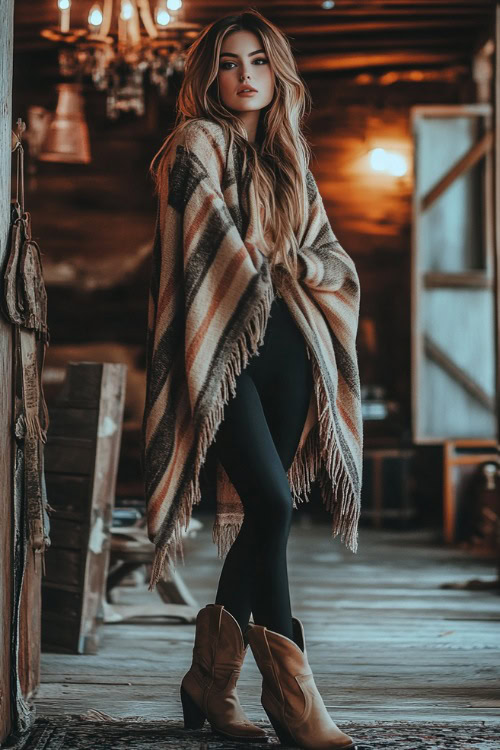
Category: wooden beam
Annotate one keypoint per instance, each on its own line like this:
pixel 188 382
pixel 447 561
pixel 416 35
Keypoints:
pixel 372 5
pixel 362 60
pixel 467 161
pixel 281 16
pixel 445 42
pixel 467 280
pixel 434 352
pixel 413 11
pixel 378 26
pixel 345 6
pixel 451 110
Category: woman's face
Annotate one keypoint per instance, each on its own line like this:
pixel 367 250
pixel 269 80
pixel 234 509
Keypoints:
pixel 243 62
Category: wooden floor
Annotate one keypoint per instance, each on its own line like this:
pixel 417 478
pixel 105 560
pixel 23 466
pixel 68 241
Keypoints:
pixel 385 642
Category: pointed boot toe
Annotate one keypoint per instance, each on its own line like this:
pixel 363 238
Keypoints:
pixel 208 689
pixel 290 696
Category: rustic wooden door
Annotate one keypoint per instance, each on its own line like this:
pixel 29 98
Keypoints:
pixel 453 318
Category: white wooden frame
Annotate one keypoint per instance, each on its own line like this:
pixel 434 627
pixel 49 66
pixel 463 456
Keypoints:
pixel 418 284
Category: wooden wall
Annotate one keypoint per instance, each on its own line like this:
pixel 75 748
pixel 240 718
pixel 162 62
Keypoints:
pixel 6 13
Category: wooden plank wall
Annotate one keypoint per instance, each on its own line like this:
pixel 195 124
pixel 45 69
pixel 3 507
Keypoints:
pixel 6 40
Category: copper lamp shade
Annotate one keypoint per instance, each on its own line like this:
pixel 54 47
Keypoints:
pixel 68 135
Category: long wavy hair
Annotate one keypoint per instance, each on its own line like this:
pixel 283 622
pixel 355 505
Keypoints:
pixel 279 158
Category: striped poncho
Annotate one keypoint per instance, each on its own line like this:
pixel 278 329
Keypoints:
pixel 210 297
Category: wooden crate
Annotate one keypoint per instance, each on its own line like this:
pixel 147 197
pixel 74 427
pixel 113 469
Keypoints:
pixel 81 459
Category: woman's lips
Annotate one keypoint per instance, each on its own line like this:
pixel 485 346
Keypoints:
pixel 247 93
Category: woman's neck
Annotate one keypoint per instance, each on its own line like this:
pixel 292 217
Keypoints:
pixel 250 120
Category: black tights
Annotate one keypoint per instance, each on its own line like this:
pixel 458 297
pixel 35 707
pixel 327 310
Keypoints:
pixel 256 443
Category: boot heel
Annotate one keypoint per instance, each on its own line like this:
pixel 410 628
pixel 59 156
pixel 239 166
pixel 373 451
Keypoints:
pixel 194 718
pixel 283 734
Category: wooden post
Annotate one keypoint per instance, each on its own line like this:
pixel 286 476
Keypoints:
pixel 6 440
pixel 496 219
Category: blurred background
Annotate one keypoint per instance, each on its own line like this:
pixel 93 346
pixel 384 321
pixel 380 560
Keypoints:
pixel 402 94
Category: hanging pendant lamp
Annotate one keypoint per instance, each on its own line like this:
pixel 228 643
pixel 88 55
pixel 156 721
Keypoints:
pixel 68 134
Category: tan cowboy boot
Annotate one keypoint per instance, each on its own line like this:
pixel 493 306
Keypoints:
pixel 208 689
pixel 289 694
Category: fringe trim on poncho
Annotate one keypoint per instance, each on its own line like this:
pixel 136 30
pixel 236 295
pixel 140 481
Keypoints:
pixel 319 448
pixel 166 556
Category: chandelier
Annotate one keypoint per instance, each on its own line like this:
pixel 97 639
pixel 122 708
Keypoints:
pixel 123 43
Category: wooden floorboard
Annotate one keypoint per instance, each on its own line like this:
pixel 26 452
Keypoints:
pixel 384 640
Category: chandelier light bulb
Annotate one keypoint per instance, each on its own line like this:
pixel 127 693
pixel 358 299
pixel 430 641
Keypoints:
pixel 64 11
pixel 162 15
pixel 127 10
pixel 95 17
pixel 174 4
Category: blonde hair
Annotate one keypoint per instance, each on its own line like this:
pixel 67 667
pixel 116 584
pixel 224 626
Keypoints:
pixel 279 159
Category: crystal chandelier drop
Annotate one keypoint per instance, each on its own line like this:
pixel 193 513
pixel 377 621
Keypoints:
pixel 124 41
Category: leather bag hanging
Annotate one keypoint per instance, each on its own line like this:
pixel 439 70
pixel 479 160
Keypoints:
pixel 24 304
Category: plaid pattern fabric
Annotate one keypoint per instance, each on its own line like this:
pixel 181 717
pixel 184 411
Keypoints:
pixel 210 296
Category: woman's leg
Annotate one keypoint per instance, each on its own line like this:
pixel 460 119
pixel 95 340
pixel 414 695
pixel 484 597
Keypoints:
pixel 256 443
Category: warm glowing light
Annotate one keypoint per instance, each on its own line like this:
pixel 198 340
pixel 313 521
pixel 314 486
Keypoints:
pixel 378 159
pixel 63 4
pixel 387 78
pixel 95 16
pixel 162 16
pixel 127 10
pixel 174 4
pixel 364 78
pixel 388 161
pixel 396 165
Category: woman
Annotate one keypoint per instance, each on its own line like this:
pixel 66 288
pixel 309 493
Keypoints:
pixel 251 353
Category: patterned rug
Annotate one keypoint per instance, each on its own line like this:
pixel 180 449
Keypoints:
pixel 73 732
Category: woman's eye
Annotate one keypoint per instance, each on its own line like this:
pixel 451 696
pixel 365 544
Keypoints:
pixel 257 60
